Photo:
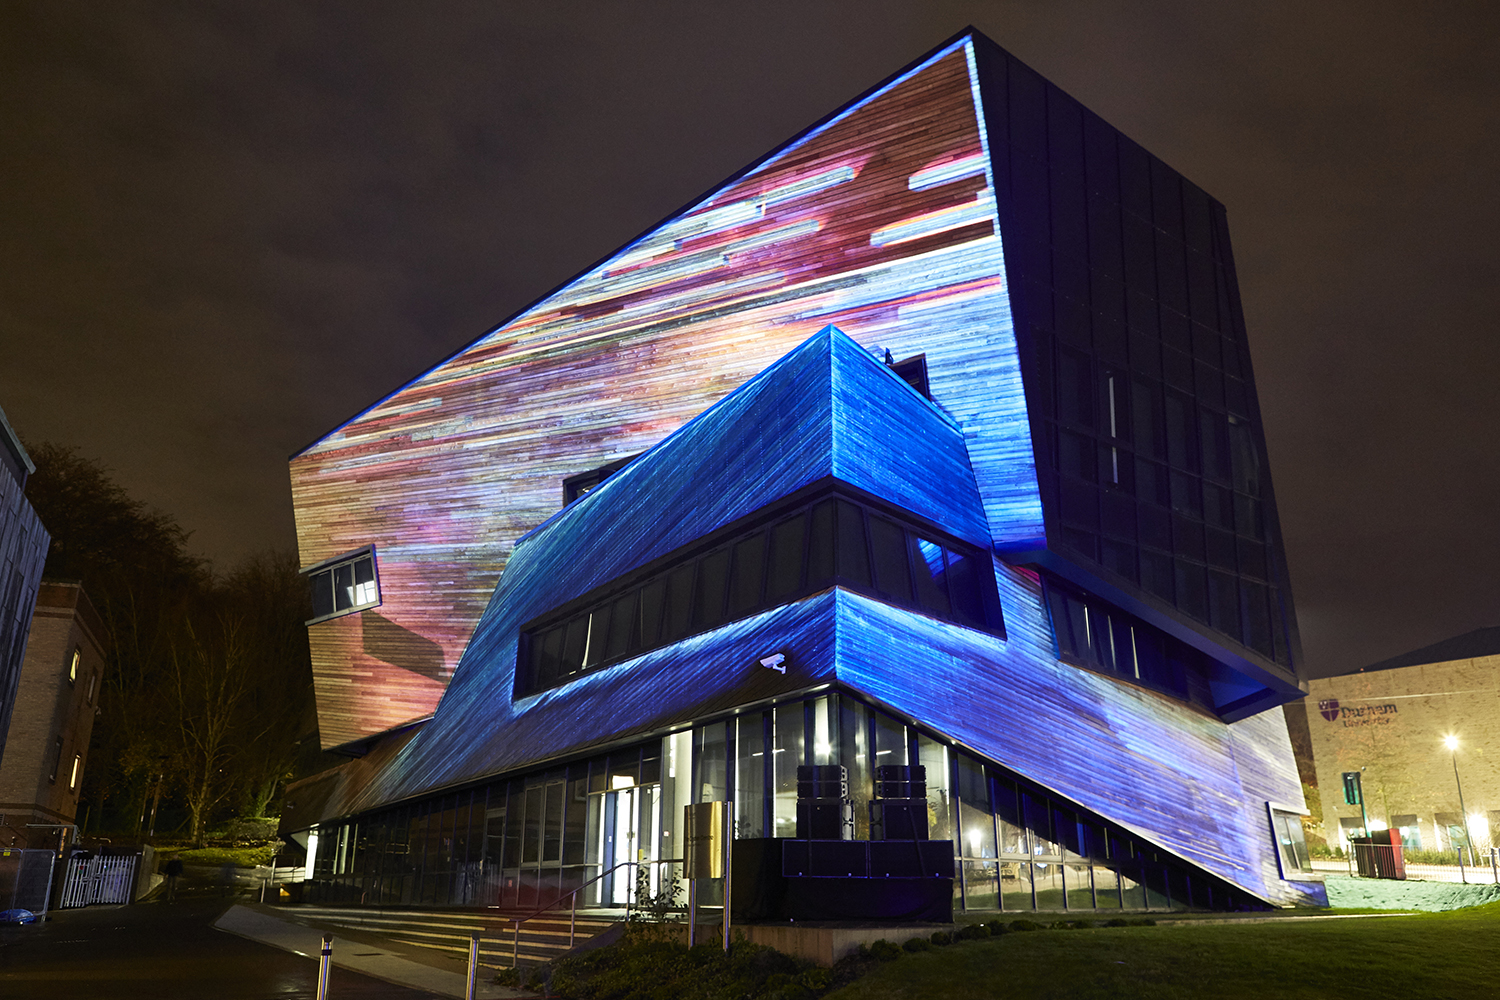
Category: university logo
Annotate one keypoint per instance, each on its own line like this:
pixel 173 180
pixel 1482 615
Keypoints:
pixel 1330 708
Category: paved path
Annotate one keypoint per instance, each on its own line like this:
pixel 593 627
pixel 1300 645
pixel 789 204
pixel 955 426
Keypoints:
pixel 419 968
pixel 161 951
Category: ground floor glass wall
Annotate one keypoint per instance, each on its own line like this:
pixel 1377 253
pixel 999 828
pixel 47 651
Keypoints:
pixel 528 840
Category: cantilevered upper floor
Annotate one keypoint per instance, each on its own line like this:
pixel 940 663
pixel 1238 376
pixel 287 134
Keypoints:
pixel 1074 307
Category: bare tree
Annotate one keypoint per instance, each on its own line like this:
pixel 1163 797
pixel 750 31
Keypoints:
pixel 211 681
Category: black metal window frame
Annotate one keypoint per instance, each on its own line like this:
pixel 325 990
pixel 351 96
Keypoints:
pixel 831 535
pixel 408 855
pixel 576 487
pixel 1091 633
pixel 344 584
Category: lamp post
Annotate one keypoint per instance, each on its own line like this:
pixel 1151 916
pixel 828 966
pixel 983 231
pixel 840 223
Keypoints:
pixel 1451 742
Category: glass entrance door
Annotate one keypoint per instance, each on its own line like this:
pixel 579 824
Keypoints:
pixel 629 818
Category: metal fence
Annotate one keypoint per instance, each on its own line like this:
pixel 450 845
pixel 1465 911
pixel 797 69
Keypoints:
pixel 98 878
pixel 1383 861
pixel 26 879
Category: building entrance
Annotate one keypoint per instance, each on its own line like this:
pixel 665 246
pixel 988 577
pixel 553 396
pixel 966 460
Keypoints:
pixel 629 819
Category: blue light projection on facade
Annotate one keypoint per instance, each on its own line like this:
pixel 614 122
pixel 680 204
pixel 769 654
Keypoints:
pixel 733 355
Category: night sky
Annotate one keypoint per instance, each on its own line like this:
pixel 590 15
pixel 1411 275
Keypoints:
pixel 226 228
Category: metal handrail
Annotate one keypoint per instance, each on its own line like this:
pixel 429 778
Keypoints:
pixel 515 943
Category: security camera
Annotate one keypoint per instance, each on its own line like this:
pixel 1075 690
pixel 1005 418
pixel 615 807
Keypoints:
pixel 776 662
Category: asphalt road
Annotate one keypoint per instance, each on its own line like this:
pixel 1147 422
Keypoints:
pixel 163 951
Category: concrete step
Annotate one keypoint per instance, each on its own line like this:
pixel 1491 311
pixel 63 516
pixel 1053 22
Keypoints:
pixel 542 937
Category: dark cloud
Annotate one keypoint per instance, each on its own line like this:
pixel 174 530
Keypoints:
pixel 226 227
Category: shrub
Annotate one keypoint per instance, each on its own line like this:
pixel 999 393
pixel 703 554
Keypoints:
pixel 816 979
pixel 1117 922
pixel 997 927
pixel 1025 925
pixel 885 951
pixel 973 932
pixel 917 944
pixel 261 829
pixel 1143 922
pixel 941 938
pixel 777 980
pixel 240 857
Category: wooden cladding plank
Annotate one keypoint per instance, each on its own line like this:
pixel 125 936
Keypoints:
pixel 446 473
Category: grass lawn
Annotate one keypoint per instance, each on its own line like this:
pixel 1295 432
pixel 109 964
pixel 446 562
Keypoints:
pixel 1430 956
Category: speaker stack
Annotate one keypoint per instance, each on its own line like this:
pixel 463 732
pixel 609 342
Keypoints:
pixel 824 811
pixel 899 809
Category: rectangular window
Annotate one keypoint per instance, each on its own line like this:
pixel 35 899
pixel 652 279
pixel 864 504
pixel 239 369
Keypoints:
pixel 73 666
pixel 77 766
pixel 344 585
pixel 975 817
pixel 789 750
pixel 1411 831
pixel 892 576
pixel 709 762
pixel 854 754
pixel 785 577
pixel 853 555
pixel 1291 846
pixel 827 542
pixel 57 753
pixel 750 776
pixel 747 573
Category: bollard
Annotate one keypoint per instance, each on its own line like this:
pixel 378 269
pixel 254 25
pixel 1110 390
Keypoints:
pixel 469 988
pixel 324 959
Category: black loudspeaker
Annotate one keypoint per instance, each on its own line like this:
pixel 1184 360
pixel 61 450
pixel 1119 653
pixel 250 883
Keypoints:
pixel 900 781
pixel 822 781
pixel 825 819
pixel 898 819
pixel 900 789
pixel 911 859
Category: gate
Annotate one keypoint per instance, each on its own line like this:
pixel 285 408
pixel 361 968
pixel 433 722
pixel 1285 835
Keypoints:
pixel 98 878
pixel 26 879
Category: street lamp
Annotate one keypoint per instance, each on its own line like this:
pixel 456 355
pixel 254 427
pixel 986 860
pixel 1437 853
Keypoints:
pixel 1451 742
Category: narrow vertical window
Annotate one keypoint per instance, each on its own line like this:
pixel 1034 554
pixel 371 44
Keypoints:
pixel 853 553
pixel 1114 433
pixel 785 576
pixel 77 766
pixel 73 666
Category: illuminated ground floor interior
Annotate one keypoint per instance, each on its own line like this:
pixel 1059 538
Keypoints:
pixel 525 840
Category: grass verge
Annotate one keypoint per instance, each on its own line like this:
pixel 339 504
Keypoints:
pixel 1455 954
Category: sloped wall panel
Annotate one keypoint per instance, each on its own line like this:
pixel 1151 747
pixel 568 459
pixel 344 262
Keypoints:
pixel 880 220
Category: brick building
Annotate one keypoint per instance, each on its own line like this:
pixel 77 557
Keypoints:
pixel 56 702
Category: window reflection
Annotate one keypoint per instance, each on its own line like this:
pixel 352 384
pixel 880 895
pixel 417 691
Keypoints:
pixel 523 841
pixel 832 542
pixel 344 586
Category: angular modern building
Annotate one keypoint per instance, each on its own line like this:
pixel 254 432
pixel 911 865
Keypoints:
pixel 23 551
pixel 931 439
